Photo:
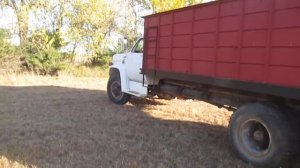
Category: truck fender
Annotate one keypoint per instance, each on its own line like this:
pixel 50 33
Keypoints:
pixel 121 70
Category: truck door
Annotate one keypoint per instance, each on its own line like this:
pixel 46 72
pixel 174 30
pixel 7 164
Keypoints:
pixel 134 62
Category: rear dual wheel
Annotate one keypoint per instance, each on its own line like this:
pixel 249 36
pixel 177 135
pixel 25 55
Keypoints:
pixel 262 135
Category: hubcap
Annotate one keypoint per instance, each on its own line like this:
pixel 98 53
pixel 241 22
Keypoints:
pixel 116 90
pixel 255 137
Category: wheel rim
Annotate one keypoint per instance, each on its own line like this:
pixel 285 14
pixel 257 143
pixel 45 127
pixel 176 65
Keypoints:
pixel 255 138
pixel 116 90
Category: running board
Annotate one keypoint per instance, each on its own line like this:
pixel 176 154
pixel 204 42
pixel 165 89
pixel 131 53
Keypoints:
pixel 137 89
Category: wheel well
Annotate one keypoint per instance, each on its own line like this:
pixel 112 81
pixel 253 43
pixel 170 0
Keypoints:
pixel 114 72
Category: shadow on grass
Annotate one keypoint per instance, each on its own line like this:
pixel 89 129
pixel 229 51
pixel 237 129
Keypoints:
pixel 49 126
pixel 140 102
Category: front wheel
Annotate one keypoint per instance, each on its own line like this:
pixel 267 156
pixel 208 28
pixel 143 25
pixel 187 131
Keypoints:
pixel 262 135
pixel 114 91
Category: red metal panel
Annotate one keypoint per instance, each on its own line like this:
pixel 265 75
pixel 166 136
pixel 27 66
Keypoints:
pixel 166 19
pixel 287 18
pixel 226 70
pixel 153 21
pixel 183 16
pixel 165 41
pixel 285 56
pixel 151 51
pixel 180 66
pixel 207 12
pixel 165 53
pixel 256 21
pixel 228 39
pixel 286 76
pixel 152 33
pixel 165 30
pixel 253 55
pixel 282 4
pixel 150 63
pixel 204 54
pixel 183 28
pixel 286 37
pixel 203 68
pixel 255 38
pixel 258 5
pixel 250 72
pixel 151 44
pixel 164 64
pixel 205 26
pixel 230 23
pixel 249 40
pixel 182 41
pixel 181 53
pixel 227 54
pixel 204 40
pixel 231 8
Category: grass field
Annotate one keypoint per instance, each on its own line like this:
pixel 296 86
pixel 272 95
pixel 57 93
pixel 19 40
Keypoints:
pixel 53 122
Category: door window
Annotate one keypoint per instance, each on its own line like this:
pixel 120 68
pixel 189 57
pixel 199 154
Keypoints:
pixel 139 47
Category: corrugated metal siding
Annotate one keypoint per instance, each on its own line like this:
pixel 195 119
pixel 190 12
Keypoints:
pixel 248 40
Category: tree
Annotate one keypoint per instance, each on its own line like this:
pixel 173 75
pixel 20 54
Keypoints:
pixel 21 9
pixel 91 23
pixel 161 6
pixel 43 53
pixel 5 46
pixel 129 20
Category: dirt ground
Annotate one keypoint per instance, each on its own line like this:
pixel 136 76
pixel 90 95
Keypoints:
pixel 66 122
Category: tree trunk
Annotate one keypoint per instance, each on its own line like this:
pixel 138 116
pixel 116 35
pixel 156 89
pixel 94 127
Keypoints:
pixel 22 16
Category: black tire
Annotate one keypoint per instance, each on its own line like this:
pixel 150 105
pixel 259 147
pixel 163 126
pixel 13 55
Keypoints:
pixel 262 135
pixel 114 90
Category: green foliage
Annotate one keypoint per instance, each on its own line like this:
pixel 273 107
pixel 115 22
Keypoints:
pixel 161 6
pixel 5 47
pixel 92 22
pixel 45 61
pixel 103 60
pixel 43 55
pixel 10 56
pixel 44 40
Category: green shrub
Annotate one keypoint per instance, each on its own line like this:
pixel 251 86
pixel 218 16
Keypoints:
pixel 43 55
pixel 5 47
pixel 102 60
pixel 45 61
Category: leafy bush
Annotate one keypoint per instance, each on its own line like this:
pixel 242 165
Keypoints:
pixel 43 55
pixel 45 61
pixel 103 60
pixel 5 47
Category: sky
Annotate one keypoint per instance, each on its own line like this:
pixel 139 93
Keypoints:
pixel 8 21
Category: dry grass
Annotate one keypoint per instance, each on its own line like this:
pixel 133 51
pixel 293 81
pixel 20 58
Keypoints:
pixel 85 71
pixel 69 122
pixel 5 163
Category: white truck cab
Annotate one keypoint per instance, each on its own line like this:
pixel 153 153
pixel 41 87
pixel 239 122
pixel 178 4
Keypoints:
pixel 126 78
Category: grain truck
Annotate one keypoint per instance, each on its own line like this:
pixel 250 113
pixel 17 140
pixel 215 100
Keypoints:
pixel 239 54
